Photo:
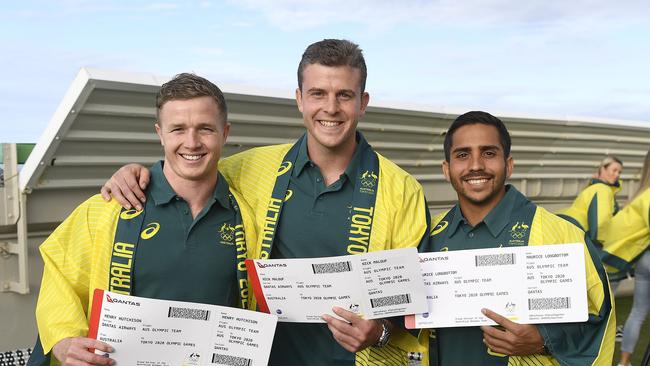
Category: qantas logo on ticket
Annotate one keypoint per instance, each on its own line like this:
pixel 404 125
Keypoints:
pixel 266 265
pixel 429 259
pixel 115 300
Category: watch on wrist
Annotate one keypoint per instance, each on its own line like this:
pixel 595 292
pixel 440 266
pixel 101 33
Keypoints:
pixel 385 334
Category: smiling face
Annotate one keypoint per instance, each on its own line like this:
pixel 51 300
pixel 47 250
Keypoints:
pixel 331 102
pixel 192 132
pixel 477 167
pixel 610 173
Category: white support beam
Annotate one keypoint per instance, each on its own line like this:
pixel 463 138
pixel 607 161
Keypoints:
pixel 14 277
pixel 9 198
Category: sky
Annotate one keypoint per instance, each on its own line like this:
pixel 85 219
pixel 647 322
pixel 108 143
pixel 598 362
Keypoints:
pixel 547 58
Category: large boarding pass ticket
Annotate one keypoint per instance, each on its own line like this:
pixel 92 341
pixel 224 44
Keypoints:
pixel 150 332
pixel 528 285
pixel 373 285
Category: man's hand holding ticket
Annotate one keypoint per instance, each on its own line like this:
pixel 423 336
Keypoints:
pixel 152 332
pixel 527 285
pixel 372 285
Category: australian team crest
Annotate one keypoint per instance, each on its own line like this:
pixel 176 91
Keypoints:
pixel 227 234
pixel 368 181
pixel 518 232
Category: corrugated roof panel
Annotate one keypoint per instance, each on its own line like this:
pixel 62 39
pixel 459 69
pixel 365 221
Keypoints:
pixel 106 120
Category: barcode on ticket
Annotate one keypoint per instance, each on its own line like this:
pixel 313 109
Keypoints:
pixel 549 303
pixel 390 300
pixel 231 360
pixel 494 259
pixel 187 313
pixel 333 267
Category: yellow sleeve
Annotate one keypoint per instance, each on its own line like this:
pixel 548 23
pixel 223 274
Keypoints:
pixel 401 218
pixel 411 220
pixel 627 235
pixel 591 342
pixel 69 258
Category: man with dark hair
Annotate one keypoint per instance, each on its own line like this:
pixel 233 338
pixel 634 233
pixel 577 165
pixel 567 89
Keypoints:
pixel 304 195
pixel 492 214
pixel 475 117
pixel 185 236
pixel 334 52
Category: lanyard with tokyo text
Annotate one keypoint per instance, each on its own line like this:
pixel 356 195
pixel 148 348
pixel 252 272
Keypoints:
pixel 129 232
pixel 363 199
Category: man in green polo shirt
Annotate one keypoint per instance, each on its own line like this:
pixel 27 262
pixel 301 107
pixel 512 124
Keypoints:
pixel 305 195
pixel 189 237
pixel 492 214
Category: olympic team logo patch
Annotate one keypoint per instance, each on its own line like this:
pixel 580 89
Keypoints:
pixel 368 181
pixel 227 234
pixel 518 232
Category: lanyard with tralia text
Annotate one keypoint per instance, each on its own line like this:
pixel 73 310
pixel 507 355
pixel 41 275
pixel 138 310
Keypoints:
pixel 128 234
pixel 363 199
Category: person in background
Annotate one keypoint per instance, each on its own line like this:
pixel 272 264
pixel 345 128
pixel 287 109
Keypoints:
pixel 626 241
pixel 596 204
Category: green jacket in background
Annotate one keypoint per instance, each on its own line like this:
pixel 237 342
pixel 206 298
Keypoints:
pixel 593 208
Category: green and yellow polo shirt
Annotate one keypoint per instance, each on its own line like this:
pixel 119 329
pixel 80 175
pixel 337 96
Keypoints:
pixel 314 211
pixel 516 221
pixel 312 224
pixel 314 221
pixel 77 257
pixel 187 259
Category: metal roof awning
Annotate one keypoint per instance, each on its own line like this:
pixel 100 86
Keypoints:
pixel 106 120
